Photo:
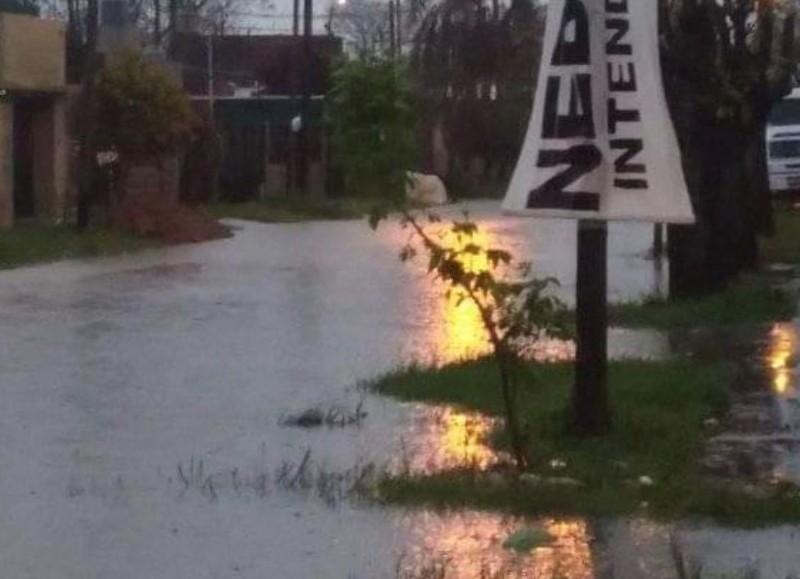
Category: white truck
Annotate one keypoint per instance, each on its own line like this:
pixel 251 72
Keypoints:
pixel 783 146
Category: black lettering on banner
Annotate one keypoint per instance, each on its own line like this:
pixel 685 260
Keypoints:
pixel 580 160
pixel 616 116
pixel 575 50
pixel 631 183
pixel 617 6
pixel 620 28
pixel 623 165
pixel 622 82
pixel 579 121
pixel 631 148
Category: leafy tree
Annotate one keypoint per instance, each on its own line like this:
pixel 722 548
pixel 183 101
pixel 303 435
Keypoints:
pixel 365 23
pixel 372 120
pixel 476 66
pixel 516 309
pixel 143 114
pixel 30 7
pixel 725 64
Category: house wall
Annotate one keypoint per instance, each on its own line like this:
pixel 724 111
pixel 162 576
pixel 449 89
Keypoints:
pixel 50 160
pixel 32 55
pixel 50 165
pixel 33 66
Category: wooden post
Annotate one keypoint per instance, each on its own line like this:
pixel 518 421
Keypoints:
pixel 590 405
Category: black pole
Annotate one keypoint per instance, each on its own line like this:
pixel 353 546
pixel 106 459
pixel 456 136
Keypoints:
pixel 658 240
pixel 292 168
pixel 392 31
pixel 590 406
pixel 305 105
pixel 399 26
pixel 87 161
pixel 658 251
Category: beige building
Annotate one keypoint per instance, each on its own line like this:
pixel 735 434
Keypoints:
pixel 34 147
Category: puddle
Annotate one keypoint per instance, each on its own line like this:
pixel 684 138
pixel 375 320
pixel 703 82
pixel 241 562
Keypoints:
pixel 442 438
pixel 113 372
pixel 470 545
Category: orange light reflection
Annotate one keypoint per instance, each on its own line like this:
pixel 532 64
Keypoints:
pixel 445 438
pixel 471 544
pixel 569 555
pixel 464 439
pixel 462 334
pixel 783 345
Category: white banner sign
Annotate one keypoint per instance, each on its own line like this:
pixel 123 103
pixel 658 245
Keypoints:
pixel 601 144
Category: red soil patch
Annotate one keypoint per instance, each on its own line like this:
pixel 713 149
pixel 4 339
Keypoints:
pixel 169 222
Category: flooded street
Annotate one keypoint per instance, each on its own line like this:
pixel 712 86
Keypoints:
pixel 128 382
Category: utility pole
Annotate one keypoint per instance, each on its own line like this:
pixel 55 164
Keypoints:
pixel 308 81
pixel 399 25
pixel 210 67
pixel 392 31
pixel 212 121
pixel 291 190
pixel 87 161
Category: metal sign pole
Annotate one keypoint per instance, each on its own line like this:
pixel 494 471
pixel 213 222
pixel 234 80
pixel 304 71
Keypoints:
pixel 590 405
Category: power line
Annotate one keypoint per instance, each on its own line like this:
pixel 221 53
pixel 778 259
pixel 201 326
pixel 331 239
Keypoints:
pixel 269 16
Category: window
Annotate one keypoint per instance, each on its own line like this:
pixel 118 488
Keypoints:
pixel 786 112
pixel 784 149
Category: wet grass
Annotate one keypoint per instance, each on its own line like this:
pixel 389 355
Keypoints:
pixel 784 246
pixel 29 244
pixel 305 476
pixel 292 211
pixel 659 414
pixel 749 300
pixel 332 417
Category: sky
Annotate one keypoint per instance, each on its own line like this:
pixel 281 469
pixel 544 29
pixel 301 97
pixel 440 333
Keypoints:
pixel 278 19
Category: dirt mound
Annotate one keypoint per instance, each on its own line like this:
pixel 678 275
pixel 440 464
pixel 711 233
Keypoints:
pixel 168 221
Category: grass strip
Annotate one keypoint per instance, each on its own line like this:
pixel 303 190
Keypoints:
pixel 749 300
pixel 29 244
pixel 660 408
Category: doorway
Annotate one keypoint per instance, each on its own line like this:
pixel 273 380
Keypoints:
pixel 24 151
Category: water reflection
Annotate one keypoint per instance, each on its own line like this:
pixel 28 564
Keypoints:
pixel 443 438
pixel 462 334
pixel 781 371
pixel 569 555
pixel 464 438
pixel 781 353
pixel 470 545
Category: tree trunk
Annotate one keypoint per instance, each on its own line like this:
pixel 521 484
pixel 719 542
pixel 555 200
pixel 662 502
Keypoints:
pixel 157 22
pixel 719 78
pixel 173 18
pixel 509 402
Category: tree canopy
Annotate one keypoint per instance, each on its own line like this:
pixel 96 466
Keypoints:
pixel 142 112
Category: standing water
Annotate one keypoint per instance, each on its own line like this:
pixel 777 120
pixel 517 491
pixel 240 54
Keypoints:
pixel 140 430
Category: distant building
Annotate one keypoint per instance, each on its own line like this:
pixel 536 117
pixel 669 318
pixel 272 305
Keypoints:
pixel 255 82
pixel 34 147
